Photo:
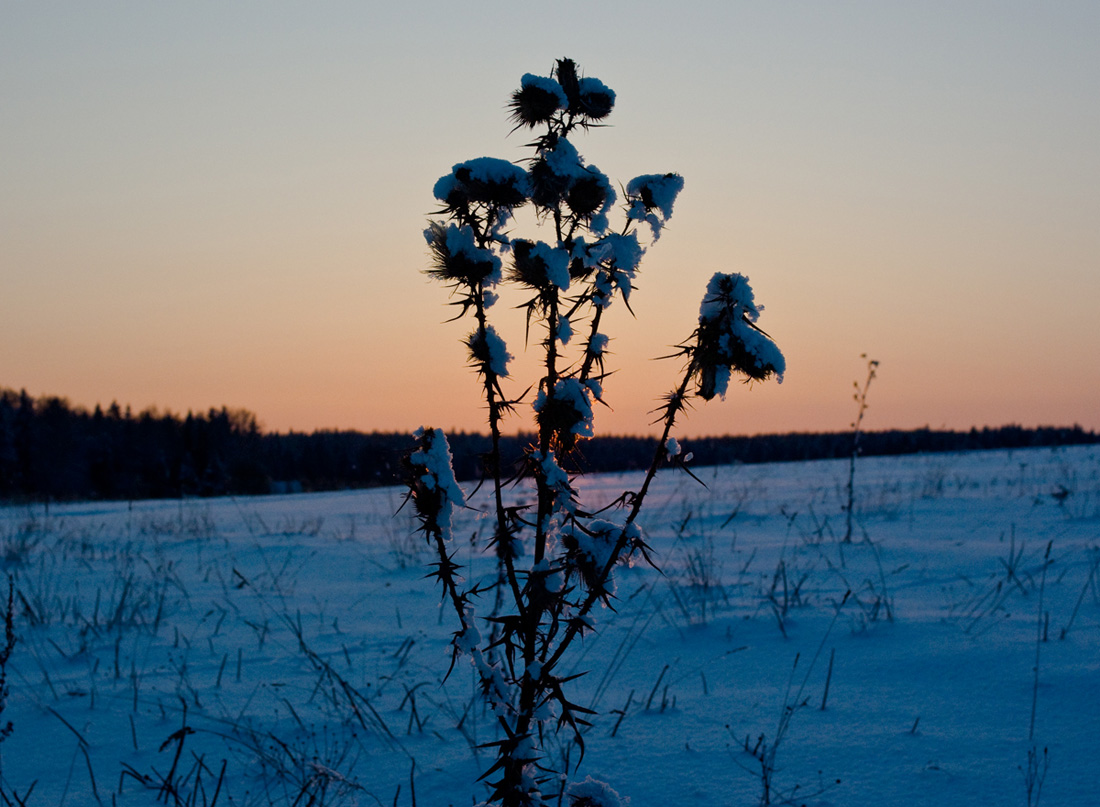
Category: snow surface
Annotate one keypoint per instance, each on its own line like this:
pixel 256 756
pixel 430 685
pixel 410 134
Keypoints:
pixel 298 639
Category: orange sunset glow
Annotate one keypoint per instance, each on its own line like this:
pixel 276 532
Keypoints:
pixel 205 204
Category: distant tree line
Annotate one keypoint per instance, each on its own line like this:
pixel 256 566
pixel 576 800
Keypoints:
pixel 52 450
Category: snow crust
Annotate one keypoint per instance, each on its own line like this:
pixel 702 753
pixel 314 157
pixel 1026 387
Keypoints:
pixel 927 707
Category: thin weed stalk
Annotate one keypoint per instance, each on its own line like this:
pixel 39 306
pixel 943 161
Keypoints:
pixel 860 398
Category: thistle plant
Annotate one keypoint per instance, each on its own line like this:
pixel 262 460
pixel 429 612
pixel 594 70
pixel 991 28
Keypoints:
pixel 555 557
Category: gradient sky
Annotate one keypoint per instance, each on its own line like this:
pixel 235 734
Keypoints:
pixel 208 203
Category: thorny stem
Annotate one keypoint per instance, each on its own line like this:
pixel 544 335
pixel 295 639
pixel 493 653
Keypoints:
pixel 503 535
pixel 589 356
pixel 497 406
pixel 447 577
pixel 538 601
pixel 533 688
pixel 675 404
pixel 545 493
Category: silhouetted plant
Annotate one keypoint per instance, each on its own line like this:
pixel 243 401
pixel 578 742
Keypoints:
pixel 569 283
pixel 7 645
pixel 860 398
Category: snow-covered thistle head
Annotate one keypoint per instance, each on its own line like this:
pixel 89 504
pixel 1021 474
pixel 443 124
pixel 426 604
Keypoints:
pixel 728 339
pixel 650 198
pixel 536 100
pixel 596 99
pixel 618 257
pixel 485 180
pixel 538 265
pixel 558 175
pixel 590 193
pixel 567 414
pixel 589 547
pixel 589 98
pixel 557 166
pixel 594 793
pixel 488 353
pixel 456 257
pixel 431 481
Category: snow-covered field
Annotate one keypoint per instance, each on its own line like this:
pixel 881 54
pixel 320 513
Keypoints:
pixel 293 648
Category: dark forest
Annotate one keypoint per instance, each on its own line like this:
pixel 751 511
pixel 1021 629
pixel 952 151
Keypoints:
pixel 53 450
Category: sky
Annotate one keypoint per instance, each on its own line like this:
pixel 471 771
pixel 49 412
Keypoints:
pixel 207 204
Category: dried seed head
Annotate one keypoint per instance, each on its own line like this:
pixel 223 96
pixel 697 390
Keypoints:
pixel 567 413
pixel 431 481
pixel 456 258
pixel 539 266
pixel 488 352
pixel 566 74
pixel 596 98
pixel 589 193
pixel 485 180
pixel 536 100
pixel 728 339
